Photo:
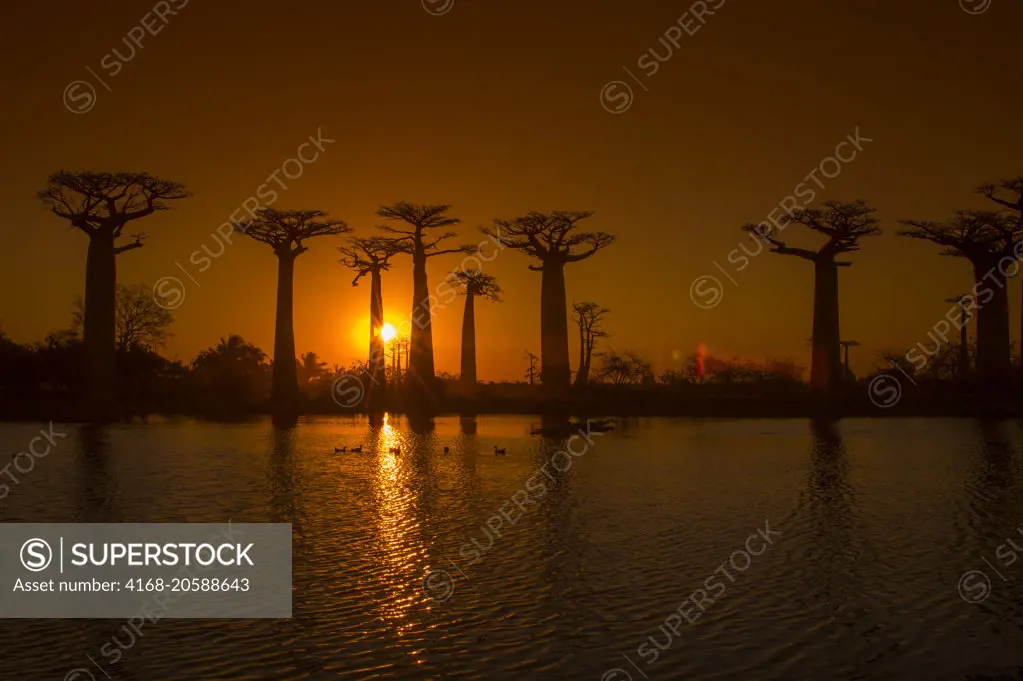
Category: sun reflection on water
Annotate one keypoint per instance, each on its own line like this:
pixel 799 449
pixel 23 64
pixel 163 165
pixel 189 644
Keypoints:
pixel 398 527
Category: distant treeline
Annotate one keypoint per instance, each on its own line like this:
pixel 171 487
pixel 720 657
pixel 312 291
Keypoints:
pixel 233 379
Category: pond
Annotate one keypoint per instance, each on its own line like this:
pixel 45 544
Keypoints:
pixel 665 549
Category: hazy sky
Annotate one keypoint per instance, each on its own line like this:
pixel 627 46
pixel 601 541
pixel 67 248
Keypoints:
pixel 496 107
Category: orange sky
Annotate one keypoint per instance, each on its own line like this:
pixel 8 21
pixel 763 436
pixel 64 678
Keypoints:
pixel 495 108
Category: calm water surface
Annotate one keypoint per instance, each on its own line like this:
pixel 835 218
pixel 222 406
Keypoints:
pixel 879 520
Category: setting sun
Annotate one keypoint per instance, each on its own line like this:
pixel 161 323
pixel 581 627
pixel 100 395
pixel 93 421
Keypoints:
pixel 387 332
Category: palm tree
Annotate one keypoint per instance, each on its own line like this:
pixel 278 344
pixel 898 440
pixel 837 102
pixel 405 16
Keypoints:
pixel 421 219
pixel 844 224
pixel 231 373
pixel 474 284
pixel 553 240
pixel 984 239
pixel 102 205
pixel 587 316
pixel 372 257
pixel 310 370
pixel 285 232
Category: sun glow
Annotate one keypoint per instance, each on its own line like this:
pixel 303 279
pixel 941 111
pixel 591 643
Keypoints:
pixel 388 332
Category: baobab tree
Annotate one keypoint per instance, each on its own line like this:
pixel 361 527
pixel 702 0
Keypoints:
pixel 372 257
pixel 1009 194
pixel 845 345
pixel 102 205
pixel 587 317
pixel 987 240
pixel 844 224
pixel 473 284
pixel 963 370
pixel 553 239
pixel 285 231
pixel 419 239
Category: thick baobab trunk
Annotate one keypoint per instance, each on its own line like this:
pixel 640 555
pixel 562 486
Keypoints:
pixel 826 360
pixel 555 374
pixel 469 341
pixel 99 324
pixel 285 375
pixel 993 341
pixel 420 363
pixel 377 388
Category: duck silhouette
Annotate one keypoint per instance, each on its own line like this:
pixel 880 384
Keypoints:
pixel 339 450
pixel 499 451
pixel 357 450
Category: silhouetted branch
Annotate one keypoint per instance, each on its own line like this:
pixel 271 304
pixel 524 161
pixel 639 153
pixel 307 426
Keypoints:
pixel 285 230
pixel 106 202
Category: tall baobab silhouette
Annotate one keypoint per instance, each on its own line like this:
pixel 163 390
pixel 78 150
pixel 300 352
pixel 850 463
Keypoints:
pixel 474 284
pixel 553 240
pixel 964 350
pixel 984 239
pixel 587 316
pixel 372 257
pixel 846 344
pixel 418 241
pixel 1009 194
pixel 844 224
pixel 285 231
pixel 102 205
